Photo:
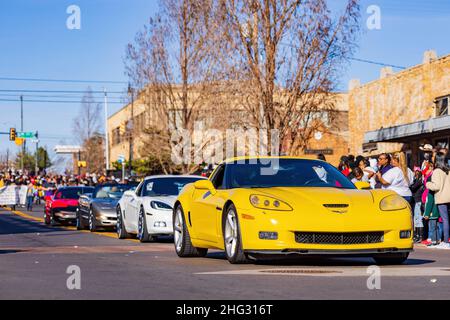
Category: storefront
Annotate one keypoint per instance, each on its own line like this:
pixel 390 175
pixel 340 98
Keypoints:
pixel 434 131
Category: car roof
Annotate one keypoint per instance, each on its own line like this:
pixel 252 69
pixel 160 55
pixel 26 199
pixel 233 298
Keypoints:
pixel 243 158
pixel 173 176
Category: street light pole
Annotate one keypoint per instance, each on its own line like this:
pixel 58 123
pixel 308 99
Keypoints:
pixel 106 133
pixel 131 92
pixel 21 129
pixel 36 168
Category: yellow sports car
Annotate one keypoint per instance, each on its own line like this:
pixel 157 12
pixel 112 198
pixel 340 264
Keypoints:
pixel 252 207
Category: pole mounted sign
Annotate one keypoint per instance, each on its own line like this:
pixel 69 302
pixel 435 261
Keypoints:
pixel 26 135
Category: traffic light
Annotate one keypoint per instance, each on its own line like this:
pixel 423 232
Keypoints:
pixel 82 164
pixel 12 134
pixel 122 128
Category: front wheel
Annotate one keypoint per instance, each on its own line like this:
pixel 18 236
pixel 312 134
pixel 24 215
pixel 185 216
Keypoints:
pixel 46 219
pixel 80 222
pixel 182 239
pixel 120 227
pixel 143 234
pixel 232 237
pixel 92 221
pixel 53 221
pixel 391 258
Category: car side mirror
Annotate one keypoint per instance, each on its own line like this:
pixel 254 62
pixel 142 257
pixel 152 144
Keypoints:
pixel 205 185
pixel 362 185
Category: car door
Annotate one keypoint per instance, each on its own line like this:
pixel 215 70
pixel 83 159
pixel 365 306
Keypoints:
pixel 206 209
pixel 133 208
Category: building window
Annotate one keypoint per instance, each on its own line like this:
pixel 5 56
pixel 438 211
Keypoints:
pixel 442 106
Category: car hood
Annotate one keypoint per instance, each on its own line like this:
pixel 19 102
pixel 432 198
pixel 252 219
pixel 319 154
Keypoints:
pixel 330 208
pixel 64 203
pixel 170 200
pixel 105 203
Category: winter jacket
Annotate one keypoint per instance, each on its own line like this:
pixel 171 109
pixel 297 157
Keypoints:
pixel 440 184
pixel 431 210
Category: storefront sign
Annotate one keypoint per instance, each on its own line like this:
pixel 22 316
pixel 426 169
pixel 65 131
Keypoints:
pixel 319 151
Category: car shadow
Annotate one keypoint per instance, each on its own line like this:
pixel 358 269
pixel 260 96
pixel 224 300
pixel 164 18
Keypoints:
pixel 322 261
pixel 10 251
pixel 11 224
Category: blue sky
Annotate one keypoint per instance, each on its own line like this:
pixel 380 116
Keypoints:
pixel 35 43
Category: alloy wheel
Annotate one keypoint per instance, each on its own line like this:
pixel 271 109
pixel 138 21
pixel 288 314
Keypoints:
pixel 231 233
pixel 178 230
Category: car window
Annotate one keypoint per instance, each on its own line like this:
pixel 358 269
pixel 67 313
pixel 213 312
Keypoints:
pixel 166 186
pixel 110 191
pixel 217 179
pixel 286 173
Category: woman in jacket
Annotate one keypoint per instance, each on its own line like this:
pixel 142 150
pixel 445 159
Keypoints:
pixel 440 185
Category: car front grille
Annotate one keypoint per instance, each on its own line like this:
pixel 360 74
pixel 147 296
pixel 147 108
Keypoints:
pixel 66 209
pixel 339 238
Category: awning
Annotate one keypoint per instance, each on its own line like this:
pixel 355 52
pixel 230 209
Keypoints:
pixel 402 132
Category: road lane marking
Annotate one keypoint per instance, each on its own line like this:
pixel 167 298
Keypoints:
pixel 71 228
pixel 337 272
pixel 86 250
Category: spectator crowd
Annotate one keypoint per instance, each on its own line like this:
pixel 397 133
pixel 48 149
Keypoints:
pixel 425 186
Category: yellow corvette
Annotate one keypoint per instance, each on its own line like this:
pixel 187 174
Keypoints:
pixel 256 206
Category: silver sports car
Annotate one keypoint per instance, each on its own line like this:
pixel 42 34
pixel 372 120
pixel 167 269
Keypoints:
pixel 98 210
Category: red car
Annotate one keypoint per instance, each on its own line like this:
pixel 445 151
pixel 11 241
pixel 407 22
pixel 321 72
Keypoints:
pixel 62 206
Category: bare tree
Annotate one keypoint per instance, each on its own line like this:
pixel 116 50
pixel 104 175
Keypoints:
pixel 286 57
pixel 86 128
pixel 175 61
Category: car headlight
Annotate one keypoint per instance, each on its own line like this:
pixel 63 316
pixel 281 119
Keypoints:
pixel 393 203
pixel 269 203
pixel 158 205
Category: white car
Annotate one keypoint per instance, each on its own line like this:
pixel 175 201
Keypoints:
pixel 147 211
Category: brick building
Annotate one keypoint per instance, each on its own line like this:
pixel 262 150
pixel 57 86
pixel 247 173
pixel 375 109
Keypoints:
pixel 401 111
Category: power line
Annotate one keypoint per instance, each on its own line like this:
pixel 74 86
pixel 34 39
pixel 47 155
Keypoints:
pixel 61 80
pixel 356 59
pixel 51 96
pixel 378 63
pixel 58 91
pixel 58 101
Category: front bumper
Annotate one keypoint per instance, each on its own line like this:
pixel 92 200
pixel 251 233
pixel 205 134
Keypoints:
pixel 105 218
pixel 341 252
pixel 287 225
pixel 159 222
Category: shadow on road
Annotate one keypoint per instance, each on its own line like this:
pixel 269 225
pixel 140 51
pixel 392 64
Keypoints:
pixel 11 224
pixel 318 261
pixel 10 251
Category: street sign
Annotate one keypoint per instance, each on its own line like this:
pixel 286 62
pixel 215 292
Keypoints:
pixel 67 149
pixel 19 141
pixel 121 159
pixel 82 164
pixel 26 135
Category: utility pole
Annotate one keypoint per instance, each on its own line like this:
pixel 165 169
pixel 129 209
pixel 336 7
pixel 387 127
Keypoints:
pixel 36 167
pixel 106 133
pixel 131 131
pixel 21 129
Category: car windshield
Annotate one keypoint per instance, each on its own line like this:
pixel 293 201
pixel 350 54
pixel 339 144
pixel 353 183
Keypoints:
pixel 72 193
pixel 111 191
pixel 166 186
pixel 270 173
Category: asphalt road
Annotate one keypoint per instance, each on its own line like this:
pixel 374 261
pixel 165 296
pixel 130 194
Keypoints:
pixel 34 260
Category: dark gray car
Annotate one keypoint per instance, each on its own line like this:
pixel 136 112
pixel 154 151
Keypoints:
pixel 98 210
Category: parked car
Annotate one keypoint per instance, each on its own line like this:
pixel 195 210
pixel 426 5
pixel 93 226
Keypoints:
pixel 147 211
pixel 98 209
pixel 61 207
pixel 252 210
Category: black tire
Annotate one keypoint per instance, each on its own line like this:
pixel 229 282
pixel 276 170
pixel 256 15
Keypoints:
pixel 80 222
pixel 46 219
pixel 391 258
pixel 53 220
pixel 92 221
pixel 143 234
pixel 185 248
pixel 239 256
pixel 120 227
